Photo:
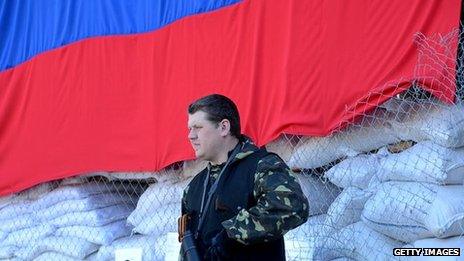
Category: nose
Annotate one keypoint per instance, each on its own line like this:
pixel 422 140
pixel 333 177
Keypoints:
pixel 192 135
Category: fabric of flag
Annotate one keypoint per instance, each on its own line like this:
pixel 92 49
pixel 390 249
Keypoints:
pixel 104 85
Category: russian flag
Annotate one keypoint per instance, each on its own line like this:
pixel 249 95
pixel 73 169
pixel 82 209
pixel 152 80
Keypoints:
pixel 104 85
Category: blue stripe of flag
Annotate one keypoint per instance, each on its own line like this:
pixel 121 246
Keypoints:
pixel 29 27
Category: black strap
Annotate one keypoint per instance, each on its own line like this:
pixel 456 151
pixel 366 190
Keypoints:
pixel 204 206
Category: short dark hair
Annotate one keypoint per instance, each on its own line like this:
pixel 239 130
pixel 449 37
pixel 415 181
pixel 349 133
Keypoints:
pixel 218 107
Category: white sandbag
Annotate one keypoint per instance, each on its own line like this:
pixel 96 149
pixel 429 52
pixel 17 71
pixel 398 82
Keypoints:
pixel 76 191
pixel 24 236
pixel 167 247
pixel 69 246
pixel 97 217
pixel 36 191
pixel 15 209
pixel 320 193
pixel 103 235
pixel 282 146
pixel 86 204
pixel 3 235
pixel 308 242
pixel 314 152
pixel 409 211
pixel 347 208
pixel 160 221
pixel 299 241
pixel 171 246
pixel 313 227
pixel 191 168
pixel 359 242
pixel 87 177
pixel 7 252
pixel 425 162
pixel 156 196
pixel 17 223
pixel 443 124
pixel 169 174
pixel 146 176
pixel 371 133
pixel 150 250
pixel 6 200
pixel 398 232
pixel 452 242
pixel 54 256
pixel 356 171
pixel 80 179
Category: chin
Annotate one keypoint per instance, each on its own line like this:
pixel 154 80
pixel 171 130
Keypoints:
pixel 199 155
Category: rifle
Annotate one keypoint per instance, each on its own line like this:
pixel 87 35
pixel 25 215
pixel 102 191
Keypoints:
pixel 188 249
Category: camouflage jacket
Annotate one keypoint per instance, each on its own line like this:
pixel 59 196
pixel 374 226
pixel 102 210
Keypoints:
pixel 281 204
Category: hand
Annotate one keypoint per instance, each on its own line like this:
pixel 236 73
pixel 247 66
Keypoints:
pixel 219 247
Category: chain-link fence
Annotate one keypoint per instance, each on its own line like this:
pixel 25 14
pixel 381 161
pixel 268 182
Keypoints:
pixel 391 178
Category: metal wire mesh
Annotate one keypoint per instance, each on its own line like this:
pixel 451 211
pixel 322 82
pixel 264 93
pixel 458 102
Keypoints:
pixel 392 178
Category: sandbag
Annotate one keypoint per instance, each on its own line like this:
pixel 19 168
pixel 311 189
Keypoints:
pixel 156 196
pixel 97 217
pixel 315 152
pixel 299 242
pixel 54 256
pixel 451 242
pixel 169 245
pixel 313 227
pixel 150 249
pixel 3 235
pixel 356 171
pixel 103 235
pixel 7 252
pixel 359 242
pixel 76 191
pixel 410 211
pixel 23 237
pixel 68 246
pixel 424 162
pixel 190 168
pixel 282 147
pixel 430 120
pixel 159 221
pixel 85 204
pixel 6 200
pixel 17 223
pixel 36 191
pixel 320 193
pixel 373 132
pixel 347 208
pixel 145 175
pixel 16 209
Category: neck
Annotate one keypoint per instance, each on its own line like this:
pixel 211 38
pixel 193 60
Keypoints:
pixel 222 156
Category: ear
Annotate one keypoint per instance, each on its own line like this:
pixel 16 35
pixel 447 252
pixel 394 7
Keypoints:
pixel 224 127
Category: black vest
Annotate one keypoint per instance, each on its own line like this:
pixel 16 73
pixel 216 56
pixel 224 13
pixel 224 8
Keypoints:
pixel 234 192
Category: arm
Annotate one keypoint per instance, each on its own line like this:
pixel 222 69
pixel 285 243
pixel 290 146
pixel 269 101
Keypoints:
pixel 281 205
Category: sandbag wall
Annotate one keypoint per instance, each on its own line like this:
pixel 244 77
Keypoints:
pixel 94 215
pixel 401 171
pixel 65 220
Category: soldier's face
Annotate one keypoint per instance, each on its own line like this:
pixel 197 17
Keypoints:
pixel 204 135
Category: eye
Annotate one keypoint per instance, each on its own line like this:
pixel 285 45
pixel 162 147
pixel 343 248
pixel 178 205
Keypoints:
pixel 194 128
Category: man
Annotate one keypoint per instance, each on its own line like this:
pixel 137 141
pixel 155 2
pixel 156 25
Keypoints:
pixel 246 199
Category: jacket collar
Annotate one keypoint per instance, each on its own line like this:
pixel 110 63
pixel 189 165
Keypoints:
pixel 247 147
